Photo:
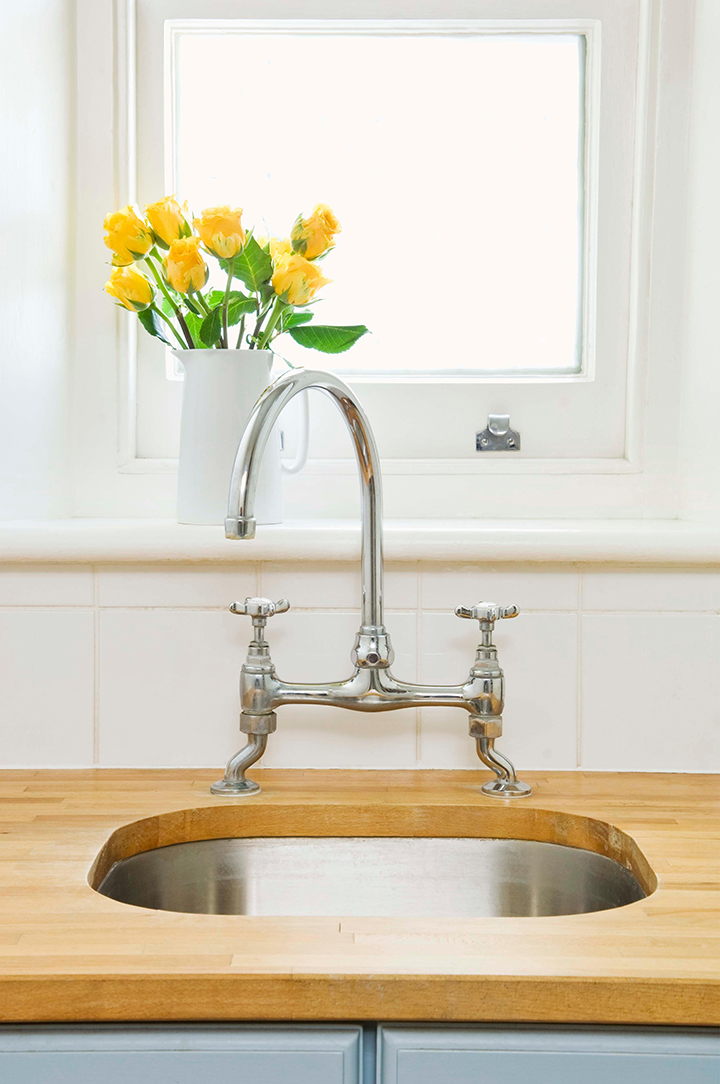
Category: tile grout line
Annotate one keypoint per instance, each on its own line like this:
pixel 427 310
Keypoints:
pixel 579 673
pixel 96 668
pixel 345 610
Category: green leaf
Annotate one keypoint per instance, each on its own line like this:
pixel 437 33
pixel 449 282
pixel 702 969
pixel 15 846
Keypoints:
pixel 216 297
pixel 238 307
pixel 211 327
pixel 238 304
pixel 328 339
pixel 194 324
pixel 154 325
pixel 252 266
pixel 294 319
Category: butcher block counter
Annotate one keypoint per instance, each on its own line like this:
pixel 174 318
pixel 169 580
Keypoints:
pixel 70 954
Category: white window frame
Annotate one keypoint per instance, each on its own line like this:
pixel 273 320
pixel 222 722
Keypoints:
pixel 588 29
pixel 638 479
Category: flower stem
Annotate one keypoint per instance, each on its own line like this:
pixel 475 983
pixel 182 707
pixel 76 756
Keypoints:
pixel 170 324
pixel 202 303
pixel 256 330
pixel 277 312
pixel 238 345
pixel 231 265
pixel 163 288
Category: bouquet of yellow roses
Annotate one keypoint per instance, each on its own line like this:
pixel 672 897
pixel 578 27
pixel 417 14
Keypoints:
pixel 161 273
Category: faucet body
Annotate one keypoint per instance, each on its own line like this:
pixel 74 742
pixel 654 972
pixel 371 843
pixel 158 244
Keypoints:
pixel 372 686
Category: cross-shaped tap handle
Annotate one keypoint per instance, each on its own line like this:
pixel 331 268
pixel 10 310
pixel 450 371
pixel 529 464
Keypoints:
pixel 487 613
pixel 262 608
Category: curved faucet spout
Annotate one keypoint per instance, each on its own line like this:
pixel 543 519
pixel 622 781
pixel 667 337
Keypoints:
pixel 240 522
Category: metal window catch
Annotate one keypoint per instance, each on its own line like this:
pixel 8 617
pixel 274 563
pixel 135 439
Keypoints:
pixel 498 437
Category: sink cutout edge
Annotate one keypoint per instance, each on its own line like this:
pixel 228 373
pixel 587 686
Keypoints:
pixel 475 822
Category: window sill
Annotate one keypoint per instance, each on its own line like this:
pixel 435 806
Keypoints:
pixel 487 541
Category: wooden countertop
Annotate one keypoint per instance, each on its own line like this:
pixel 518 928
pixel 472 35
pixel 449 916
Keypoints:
pixel 69 954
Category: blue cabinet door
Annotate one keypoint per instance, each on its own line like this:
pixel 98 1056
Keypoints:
pixel 490 1055
pixel 180 1055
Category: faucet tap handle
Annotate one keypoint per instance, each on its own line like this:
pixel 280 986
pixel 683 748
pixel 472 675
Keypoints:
pixel 487 613
pixel 263 608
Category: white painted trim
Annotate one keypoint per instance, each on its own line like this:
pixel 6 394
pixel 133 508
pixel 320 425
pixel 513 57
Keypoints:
pixel 623 542
pixel 125 79
pixel 641 235
pixel 491 464
pixel 398 385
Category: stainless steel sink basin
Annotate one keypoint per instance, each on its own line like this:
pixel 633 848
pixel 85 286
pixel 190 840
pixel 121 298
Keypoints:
pixel 387 876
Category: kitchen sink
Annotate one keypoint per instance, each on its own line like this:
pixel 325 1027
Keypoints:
pixel 424 877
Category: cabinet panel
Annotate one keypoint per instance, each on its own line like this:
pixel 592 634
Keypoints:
pixel 547 1056
pixel 178 1055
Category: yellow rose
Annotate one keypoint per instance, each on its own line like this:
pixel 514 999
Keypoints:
pixel 168 220
pixel 221 230
pixel 314 235
pixel 296 280
pixel 279 247
pixel 127 235
pixel 130 288
pixel 185 267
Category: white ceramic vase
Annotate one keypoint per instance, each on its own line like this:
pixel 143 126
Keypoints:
pixel 221 388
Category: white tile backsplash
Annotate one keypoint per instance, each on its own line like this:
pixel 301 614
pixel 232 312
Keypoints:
pixel 529 588
pixel 311 647
pixel 670 589
pixel 46 677
pixel 178 585
pixel 336 587
pixel 46 585
pixel 164 690
pixel 538 653
pixel 169 687
pixel 651 692
pixel 310 587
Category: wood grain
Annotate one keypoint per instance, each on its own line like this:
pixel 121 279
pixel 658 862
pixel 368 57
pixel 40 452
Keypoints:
pixel 69 954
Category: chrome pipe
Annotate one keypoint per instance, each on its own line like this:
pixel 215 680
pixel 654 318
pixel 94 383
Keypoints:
pixel 240 521
pixel 495 761
pixel 234 781
pixel 366 690
pixel 506 784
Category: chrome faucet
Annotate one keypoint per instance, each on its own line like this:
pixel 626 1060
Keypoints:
pixel 371 687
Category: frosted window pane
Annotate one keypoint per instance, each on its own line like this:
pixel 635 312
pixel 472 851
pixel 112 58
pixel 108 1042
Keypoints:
pixel 452 162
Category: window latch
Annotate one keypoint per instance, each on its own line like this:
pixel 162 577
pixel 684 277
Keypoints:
pixel 498 437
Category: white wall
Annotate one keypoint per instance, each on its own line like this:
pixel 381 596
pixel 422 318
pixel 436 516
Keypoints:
pixel 36 270
pixel 137 665
pixel 700 369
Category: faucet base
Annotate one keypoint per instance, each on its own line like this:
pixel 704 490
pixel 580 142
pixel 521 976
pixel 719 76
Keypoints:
pixel 234 782
pixel 505 788
pixel 235 788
